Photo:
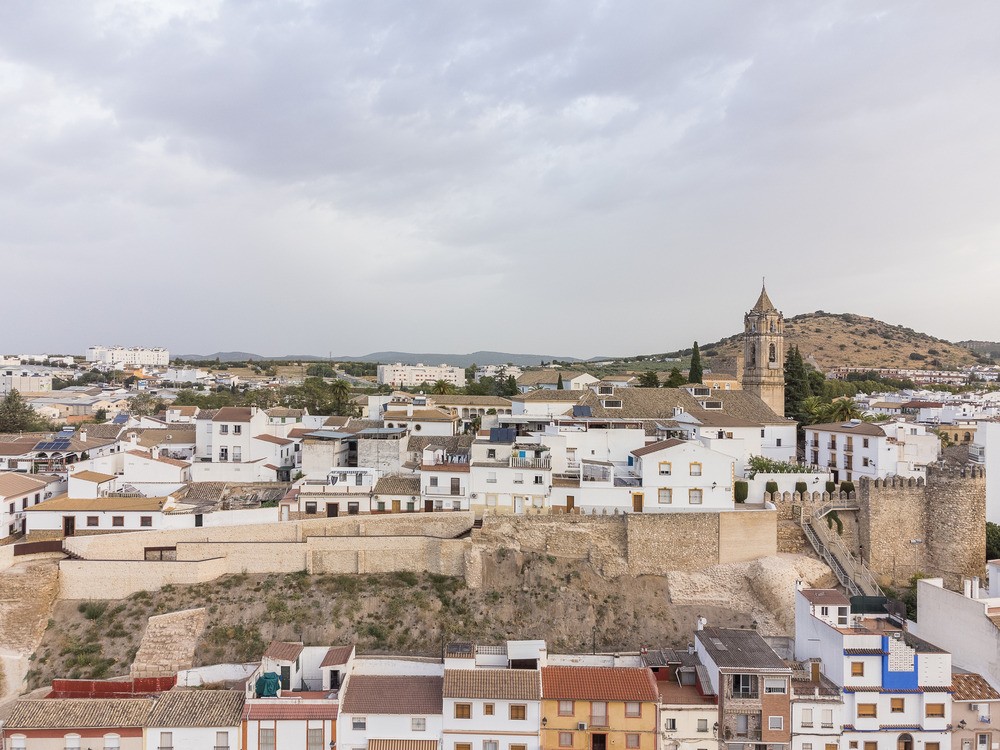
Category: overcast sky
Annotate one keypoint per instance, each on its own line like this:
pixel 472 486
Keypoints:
pixel 570 178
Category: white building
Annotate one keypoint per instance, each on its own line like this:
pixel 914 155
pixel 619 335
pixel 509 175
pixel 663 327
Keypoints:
pixel 681 474
pixel 985 450
pixel 509 474
pixel 403 702
pixel 498 371
pixel 24 381
pixel 410 376
pixel 20 491
pixel 129 356
pixel 67 515
pixel 896 686
pixel 491 704
pixel 850 450
pixel 195 719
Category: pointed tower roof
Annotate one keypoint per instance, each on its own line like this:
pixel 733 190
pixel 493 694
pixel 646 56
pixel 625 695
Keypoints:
pixel 764 303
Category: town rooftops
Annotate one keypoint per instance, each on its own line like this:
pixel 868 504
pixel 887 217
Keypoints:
pixel 658 446
pixel 548 394
pixel 12 483
pixel 197 708
pixel 92 476
pixel 124 504
pixel 968 686
pixel 501 684
pixel 282 710
pixel 546 377
pixel 826 597
pixel 233 414
pixel 730 648
pixel 283 651
pixel 385 694
pixel 599 683
pixel 273 439
pixel 284 412
pixel 79 713
pixel 159 459
pixel 459 400
pixel 849 428
pixel 742 408
pixel 398 484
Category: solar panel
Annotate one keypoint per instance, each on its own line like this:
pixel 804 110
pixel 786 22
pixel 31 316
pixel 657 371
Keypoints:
pixel 58 444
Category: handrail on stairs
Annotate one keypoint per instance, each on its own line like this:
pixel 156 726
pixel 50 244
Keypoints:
pixel 853 574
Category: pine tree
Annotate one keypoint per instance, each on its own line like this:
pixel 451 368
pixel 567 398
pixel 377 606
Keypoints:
pixel 16 415
pixel 695 372
pixel 649 379
pixel 559 383
pixel 797 387
pixel 676 379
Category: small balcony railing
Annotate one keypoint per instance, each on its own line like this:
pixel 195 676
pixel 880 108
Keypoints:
pixel 598 720
pixel 453 491
pixel 530 463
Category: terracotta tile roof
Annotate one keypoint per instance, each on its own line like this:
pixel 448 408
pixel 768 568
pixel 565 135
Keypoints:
pixel 451 400
pixel 337 655
pixel 826 597
pixel 160 459
pixel 80 713
pixel 382 694
pixel 659 446
pixel 741 407
pixel 972 687
pixel 299 432
pixel 12 483
pixel 92 476
pixel 547 377
pixel 282 411
pixel 233 414
pixel 402 744
pixel 14 445
pixel 398 484
pixel 863 651
pixel 277 710
pixel 64 502
pixel 599 683
pixel 184 411
pixel 273 439
pixel 547 394
pixel 150 437
pixel 106 430
pixel 420 415
pixel 198 708
pixel 847 428
pixel 336 421
pixel 501 684
pixel 283 651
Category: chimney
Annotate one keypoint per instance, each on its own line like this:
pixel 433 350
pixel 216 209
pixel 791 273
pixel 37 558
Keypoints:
pixel 690 648
pixel 155 452
pixel 702 622
pixel 967 588
pixel 83 435
pixel 814 671
pixel 975 587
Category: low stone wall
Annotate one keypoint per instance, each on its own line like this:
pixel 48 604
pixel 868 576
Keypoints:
pixel 116 579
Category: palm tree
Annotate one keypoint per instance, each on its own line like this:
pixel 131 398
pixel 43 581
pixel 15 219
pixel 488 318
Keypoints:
pixel 441 387
pixel 841 410
pixel 339 391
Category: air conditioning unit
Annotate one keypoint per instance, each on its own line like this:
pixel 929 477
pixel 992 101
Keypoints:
pixel 582 726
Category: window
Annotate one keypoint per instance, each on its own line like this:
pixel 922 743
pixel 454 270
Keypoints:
pixel 857 669
pixel 664 496
pixel 237 429
pixel 864 444
pixel 112 742
pixel 775 722
pixel 434 481
pixel 353 509
pixel 359 723
pixel 491 453
pixel 463 710
pixel 72 741
pixel 694 497
pixel 117 520
pixel 807 746
pixel 633 709
pixel 223 454
pixel 774 685
pixel 538 478
pixel 266 739
pixel 92 521
pixel 491 477
pixel 777 442
pixel 518 712
pixel 565 708
pixel 237 454
pixel 695 469
pixel 871 746
pixel 222 740
pixel 518 747
pixel 827 719
pixel 612 403
pixel 744 684
pixel 631 740
pixel 314 739
pixel 867 710
pixel 896 705
pixel 491 745
pixel 167 740
pixel 17 742
pixel 807 717
pixel 702 725
pixel 463 746
pixel 670 724
pixel 223 429
pixel 310 507
pixel 934 711
pixel 418 724
pixel 565 739
pixel 488 709
pixel 146 521
pixel 932 746
pixel 665 468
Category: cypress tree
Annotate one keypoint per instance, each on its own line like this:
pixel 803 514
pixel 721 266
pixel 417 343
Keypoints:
pixel 559 383
pixel 695 372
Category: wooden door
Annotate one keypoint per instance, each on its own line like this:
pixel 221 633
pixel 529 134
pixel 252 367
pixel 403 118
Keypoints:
pixel 395 506
pixel 637 502
pixel 570 502
pixel 69 525
pixel 332 510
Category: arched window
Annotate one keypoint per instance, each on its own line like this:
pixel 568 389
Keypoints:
pixel 968 437
pixel 772 326
pixel 71 742
pixel 17 742
pixel 112 742
pixel 772 353
pixel 753 356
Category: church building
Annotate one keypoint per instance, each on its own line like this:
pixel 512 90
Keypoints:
pixel 764 353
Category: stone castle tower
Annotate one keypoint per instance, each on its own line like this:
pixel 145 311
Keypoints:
pixel 764 353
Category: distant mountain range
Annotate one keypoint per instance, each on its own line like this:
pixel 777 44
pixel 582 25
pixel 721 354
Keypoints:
pixel 407 358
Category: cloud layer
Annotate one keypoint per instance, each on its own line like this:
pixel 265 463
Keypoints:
pixel 581 177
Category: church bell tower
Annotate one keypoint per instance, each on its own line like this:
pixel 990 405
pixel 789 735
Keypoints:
pixel 764 353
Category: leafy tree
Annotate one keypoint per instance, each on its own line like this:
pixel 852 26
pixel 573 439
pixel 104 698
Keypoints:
pixel 101 415
pixel 321 370
pixel 144 404
pixel 509 388
pixel 992 541
pixel 649 379
pixel 17 416
pixel 675 379
pixel 797 387
pixel 695 373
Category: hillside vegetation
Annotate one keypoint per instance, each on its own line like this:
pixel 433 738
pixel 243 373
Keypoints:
pixel 845 340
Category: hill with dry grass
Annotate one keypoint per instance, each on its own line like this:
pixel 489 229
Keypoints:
pixel 845 340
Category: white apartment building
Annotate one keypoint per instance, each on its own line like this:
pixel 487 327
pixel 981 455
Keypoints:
pixel 410 376
pixel 896 686
pixel 24 381
pixel 985 450
pixel 854 449
pixel 509 474
pixel 20 491
pixel 497 371
pixel 129 356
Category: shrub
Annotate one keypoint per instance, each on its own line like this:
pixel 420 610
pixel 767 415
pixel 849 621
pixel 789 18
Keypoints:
pixel 801 487
pixel 834 518
pixel 92 610
pixel 846 486
pixel 831 487
pixel 740 491
pixel 771 487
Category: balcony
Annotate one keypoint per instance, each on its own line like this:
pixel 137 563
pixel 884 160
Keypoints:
pixel 598 720
pixel 530 463
pixel 744 695
pixel 453 492
pixel 832 446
